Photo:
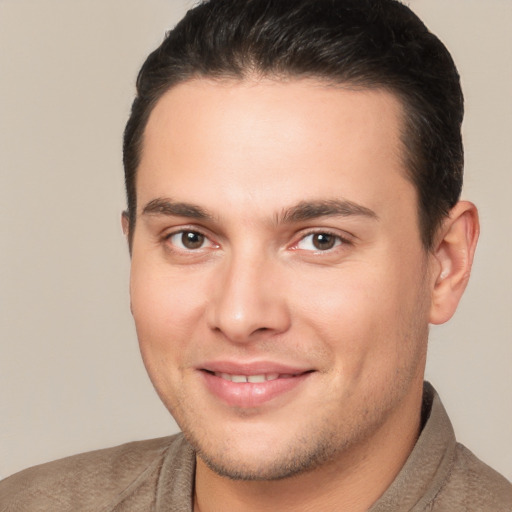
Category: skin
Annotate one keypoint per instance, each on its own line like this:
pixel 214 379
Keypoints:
pixel 231 165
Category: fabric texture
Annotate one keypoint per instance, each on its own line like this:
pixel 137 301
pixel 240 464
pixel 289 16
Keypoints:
pixel 157 475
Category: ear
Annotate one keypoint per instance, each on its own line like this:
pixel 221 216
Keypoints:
pixel 125 223
pixel 453 255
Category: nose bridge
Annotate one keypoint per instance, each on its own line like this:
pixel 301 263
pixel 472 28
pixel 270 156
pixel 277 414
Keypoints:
pixel 247 299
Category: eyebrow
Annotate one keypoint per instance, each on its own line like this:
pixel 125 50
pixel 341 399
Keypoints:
pixel 308 210
pixel 168 207
pixel 303 211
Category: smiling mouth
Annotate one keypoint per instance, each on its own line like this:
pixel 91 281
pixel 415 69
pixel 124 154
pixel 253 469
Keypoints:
pixel 249 390
pixel 254 379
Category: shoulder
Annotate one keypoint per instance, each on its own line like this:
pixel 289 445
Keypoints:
pixel 473 486
pixel 91 479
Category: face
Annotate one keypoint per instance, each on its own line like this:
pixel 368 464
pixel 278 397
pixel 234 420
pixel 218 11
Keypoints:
pixel 279 286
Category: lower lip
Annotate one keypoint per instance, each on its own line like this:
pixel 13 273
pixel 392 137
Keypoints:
pixel 248 394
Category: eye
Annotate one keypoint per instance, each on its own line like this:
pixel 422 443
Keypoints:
pixel 189 240
pixel 319 242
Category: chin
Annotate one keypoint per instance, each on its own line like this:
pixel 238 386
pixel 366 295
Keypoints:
pixel 260 470
pixel 267 459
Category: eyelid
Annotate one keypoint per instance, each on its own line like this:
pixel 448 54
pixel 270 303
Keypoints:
pixel 168 234
pixel 345 239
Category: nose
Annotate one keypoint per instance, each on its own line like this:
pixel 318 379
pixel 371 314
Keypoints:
pixel 249 301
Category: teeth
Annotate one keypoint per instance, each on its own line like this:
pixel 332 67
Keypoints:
pixel 256 378
pixel 251 378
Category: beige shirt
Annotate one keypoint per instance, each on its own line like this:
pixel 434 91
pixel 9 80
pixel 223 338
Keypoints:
pixel 157 475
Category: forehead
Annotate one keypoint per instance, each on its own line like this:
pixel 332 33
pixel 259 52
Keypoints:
pixel 274 139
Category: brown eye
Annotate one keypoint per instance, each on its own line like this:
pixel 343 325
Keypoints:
pixel 192 240
pixel 319 242
pixel 188 240
pixel 323 241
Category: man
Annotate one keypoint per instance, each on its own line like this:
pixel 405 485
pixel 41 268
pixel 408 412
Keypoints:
pixel 293 172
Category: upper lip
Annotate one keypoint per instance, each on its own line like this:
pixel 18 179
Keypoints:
pixel 253 368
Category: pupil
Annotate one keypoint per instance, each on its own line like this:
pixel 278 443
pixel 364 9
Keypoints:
pixel 192 240
pixel 323 241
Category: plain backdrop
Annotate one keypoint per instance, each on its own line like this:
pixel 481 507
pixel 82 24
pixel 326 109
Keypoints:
pixel 71 378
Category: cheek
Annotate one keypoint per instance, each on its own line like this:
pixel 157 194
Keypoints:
pixel 166 308
pixel 166 316
pixel 346 300
pixel 366 315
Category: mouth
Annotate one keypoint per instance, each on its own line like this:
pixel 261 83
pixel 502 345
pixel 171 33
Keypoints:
pixel 253 388
pixel 254 379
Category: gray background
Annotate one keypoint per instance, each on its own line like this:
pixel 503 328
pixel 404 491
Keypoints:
pixel 71 378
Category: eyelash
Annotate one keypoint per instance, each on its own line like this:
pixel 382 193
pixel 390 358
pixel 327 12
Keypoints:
pixel 338 240
pixel 182 232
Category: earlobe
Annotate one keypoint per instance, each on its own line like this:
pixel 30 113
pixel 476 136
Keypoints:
pixel 454 251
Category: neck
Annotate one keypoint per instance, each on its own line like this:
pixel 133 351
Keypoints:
pixel 353 482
